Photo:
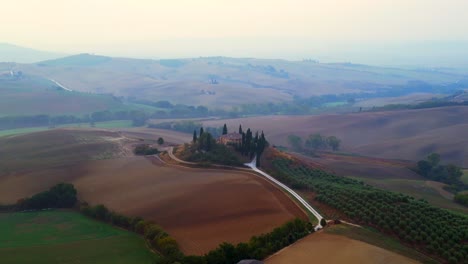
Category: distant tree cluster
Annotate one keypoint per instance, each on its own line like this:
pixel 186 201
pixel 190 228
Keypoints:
pixel 204 145
pixel 435 231
pixel 138 118
pixel 205 150
pixel 432 169
pixel 62 195
pixel 251 145
pixel 429 104
pixel 187 127
pixel 314 142
pixel 145 149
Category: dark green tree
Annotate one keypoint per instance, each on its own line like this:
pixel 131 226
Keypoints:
pixel 160 141
pixel 433 159
pixel 315 142
pixel 240 129
pixel 194 140
pixel 323 222
pixel 333 142
pixel 295 142
pixel 225 130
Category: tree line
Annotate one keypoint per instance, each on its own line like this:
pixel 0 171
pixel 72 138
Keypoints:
pixel 431 168
pixel 314 142
pixel 138 118
pixel 251 145
pixel 187 126
pixel 154 234
pixel 62 195
pixel 258 247
pixel 205 150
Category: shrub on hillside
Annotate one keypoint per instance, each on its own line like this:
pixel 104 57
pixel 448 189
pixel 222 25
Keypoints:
pixel 145 149
pixel 461 198
pixel 62 195
pixel 449 174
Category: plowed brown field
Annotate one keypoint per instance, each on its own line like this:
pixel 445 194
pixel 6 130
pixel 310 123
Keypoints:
pixel 200 208
pixel 406 134
pixel 335 249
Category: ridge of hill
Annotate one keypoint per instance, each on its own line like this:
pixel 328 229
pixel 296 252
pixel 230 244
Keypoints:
pixel 220 82
pixel 14 53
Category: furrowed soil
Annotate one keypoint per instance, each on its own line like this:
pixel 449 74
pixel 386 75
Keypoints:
pixel 327 248
pixel 200 208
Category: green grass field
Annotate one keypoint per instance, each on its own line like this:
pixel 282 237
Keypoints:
pixel 67 237
pixel 373 237
pixel 107 124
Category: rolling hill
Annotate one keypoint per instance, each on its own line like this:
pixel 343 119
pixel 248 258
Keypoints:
pixel 201 208
pixel 220 82
pixel 406 134
pixel 13 53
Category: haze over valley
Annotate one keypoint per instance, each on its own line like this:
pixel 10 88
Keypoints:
pixel 242 132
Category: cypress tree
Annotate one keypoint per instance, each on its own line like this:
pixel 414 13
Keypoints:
pixel 225 131
pixel 243 143
pixel 194 136
pixel 240 129
pixel 248 142
pixel 201 131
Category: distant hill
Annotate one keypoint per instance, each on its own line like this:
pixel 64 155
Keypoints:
pixel 221 82
pixel 13 53
pixel 77 60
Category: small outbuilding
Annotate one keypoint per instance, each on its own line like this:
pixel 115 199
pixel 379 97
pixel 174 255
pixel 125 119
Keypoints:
pixel 230 139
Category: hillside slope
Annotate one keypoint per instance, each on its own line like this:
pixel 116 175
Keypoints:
pixel 56 148
pixel 408 134
pixel 224 82
pixel 13 53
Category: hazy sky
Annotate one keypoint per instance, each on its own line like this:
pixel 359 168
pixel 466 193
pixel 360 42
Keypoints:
pixel 368 31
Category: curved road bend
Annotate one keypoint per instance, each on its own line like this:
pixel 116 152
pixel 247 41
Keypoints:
pixel 253 166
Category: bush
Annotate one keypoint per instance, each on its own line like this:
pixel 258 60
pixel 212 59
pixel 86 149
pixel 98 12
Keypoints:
pixel 323 222
pixel 145 149
pixel 62 195
pixel 461 198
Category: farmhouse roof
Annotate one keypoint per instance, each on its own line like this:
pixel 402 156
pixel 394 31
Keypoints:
pixel 250 261
pixel 231 136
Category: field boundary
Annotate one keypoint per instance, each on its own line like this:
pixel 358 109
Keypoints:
pixel 296 198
